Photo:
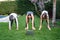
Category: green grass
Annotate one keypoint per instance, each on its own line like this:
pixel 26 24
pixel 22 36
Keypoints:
pixel 43 34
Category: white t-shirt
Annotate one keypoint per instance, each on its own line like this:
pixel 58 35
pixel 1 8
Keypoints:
pixel 14 14
pixel 29 12
pixel 45 12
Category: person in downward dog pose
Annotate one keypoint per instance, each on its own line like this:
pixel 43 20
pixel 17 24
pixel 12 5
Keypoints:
pixel 44 16
pixel 28 17
pixel 13 17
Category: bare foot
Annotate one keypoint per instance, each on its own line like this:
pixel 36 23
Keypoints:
pixel 39 28
pixel 33 28
pixel 26 28
pixel 49 28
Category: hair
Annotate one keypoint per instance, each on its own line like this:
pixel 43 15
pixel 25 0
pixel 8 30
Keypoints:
pixel 45 16
pixel 29 14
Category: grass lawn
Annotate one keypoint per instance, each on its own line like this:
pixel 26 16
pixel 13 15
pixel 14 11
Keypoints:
pixel 43 34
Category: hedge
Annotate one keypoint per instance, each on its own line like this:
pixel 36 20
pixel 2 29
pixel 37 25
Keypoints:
pixel 20 7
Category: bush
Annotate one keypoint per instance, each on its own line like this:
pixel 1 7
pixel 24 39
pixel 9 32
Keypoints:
pixel 7 7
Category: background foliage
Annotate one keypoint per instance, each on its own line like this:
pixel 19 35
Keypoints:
pixel 22 6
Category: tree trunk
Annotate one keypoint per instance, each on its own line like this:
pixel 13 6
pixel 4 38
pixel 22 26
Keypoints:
pixel 34 3
pixel 41 5
pixel 54 13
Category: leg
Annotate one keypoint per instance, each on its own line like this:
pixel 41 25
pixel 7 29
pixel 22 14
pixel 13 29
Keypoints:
pixel 33 23
pixel 40 23
pixel 16 21
pixel 9 25
pixel 48 23
pixel 10 21
pixel 26 23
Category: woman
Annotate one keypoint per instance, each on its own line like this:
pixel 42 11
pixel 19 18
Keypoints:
pixel 13 17
pixel 44 16
pixel 28 17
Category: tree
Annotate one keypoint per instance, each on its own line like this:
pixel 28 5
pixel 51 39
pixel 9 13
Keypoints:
pixel 54 13
pixel 34 3
pixel 39 4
